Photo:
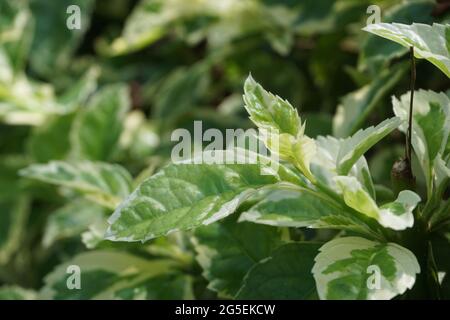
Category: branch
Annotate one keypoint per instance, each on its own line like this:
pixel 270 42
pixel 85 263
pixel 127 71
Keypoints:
pixel 411 104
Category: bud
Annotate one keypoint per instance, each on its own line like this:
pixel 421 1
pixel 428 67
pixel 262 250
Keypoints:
pixel 402 177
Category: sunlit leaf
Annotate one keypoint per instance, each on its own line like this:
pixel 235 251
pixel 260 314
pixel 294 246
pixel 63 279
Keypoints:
pixel 396 215
pixel 290 206
pixel 186 195
pixel 430 42
pixel 354 147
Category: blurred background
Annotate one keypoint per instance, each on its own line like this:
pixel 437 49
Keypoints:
pixel 114 90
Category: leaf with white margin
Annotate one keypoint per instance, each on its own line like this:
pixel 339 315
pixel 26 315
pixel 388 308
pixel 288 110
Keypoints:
pixel 189 194
pixel 356 268
pixel 300 151
pixel 354 147
pixel 104 273
pixel 269 111
pixel 323 164
pixel 286 205
pixel 104 183
pixel 27 102
pixel 281 124
pixel 442 171
pixel 396 215
pixel 430 42
pixel 304 151
pixel 71 220
pixel 151 20
pixel 375 52
pixel 31 103
pixel 430 128
pixel 95 234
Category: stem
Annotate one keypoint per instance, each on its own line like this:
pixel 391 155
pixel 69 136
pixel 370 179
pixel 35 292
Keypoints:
pixel 411 104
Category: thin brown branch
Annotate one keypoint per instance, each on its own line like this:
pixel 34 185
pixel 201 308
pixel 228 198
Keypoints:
pixel 411 105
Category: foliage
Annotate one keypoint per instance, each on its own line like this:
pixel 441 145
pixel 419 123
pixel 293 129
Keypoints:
pixel 86 177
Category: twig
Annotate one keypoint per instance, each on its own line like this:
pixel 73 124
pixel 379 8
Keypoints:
pixel 411 104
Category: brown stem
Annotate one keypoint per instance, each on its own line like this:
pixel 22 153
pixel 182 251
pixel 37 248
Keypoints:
pixel 411 104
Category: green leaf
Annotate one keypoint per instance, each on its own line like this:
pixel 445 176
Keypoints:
pixel 285 274
pixel 106 184
pixel 203 20
pixel 16 293
pixel 186 195
pixel 103 274
pixel 430 128
pixel 399 213
pixel 139 137
pixel 354 147
pixel 270 112
pixel 71 220
pixel 13 218
pixel 97 128
pixel 356 106
pixel 300 151
pixel 291 206
pixel 94 236
pixel 16 32
pixel 145 25
pixel 324 164
pixel 283 130
pixel 355 268
pixel 376 53
pixel 28 102
pixel 53 47
pixel 227 250
pixel 396 215
pixel 429 42
pixel 304 150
